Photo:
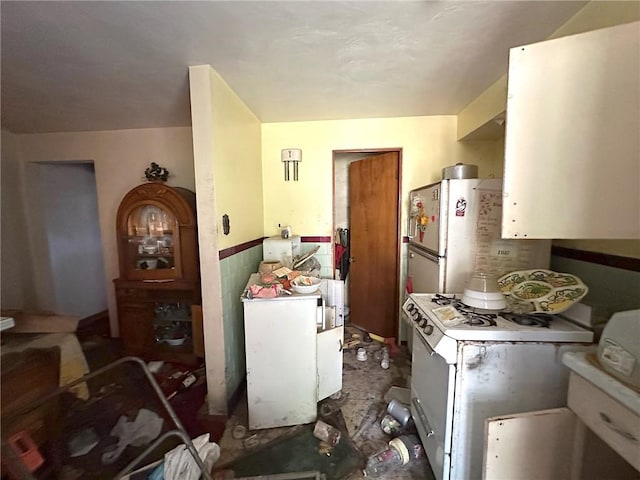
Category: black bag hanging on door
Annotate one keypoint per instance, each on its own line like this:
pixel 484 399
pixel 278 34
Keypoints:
pixel 343 234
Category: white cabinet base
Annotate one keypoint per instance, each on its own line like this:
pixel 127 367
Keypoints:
pixel 596 437
pixel 290 366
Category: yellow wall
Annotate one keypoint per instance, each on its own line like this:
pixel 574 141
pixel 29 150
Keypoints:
pixel 227 151
pixel 228 173
pixel 428 144
pixel 493 101
pixel 238 166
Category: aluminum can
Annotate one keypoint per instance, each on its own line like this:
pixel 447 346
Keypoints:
pixel 399 411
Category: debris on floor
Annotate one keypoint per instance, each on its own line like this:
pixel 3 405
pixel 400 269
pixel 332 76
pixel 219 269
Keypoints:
pixel 360 412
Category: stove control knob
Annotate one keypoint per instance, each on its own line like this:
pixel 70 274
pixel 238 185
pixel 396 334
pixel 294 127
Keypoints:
pixel 411 307
pixel 428 329
pixel 422 322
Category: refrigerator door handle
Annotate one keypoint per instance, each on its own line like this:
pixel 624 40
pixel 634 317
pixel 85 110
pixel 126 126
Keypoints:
pixel 423 253
pixel 409 233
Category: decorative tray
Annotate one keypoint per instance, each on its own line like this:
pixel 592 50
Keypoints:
pixel 541 291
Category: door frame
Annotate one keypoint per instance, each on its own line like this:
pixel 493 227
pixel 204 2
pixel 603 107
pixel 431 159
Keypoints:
pixel 398 260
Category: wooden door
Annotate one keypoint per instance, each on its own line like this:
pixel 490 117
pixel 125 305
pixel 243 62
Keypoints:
pixel 374 242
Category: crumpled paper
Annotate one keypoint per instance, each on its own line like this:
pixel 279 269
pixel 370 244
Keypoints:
pixel 179 464
pixel 143 430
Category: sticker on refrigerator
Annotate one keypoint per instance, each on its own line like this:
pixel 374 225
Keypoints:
pixel 461 207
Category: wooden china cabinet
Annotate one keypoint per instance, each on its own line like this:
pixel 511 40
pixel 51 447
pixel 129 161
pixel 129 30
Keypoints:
pixel 158 291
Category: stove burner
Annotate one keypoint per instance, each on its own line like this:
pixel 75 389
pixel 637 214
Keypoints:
pixel 480 320
pixel 442 300
pixel 472 317
pixel 541 320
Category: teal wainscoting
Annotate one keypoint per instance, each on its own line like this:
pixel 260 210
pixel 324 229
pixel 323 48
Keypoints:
pixel 235 271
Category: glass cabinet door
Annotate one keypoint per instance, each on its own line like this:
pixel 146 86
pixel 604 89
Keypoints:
pixel 150 241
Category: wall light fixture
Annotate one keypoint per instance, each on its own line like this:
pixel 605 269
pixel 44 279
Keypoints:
pixel 288 156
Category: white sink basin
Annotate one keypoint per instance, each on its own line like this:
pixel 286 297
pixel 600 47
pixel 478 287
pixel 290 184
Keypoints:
pixel 586 365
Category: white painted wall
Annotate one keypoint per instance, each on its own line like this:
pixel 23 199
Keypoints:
pixel 70 212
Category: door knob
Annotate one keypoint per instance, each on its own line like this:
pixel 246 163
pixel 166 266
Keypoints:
pixel 352 259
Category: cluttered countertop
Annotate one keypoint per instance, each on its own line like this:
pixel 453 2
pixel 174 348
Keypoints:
pixel 259 289
pixel 282 282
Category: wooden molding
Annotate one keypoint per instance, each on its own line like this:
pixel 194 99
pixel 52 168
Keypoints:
pixel 616 261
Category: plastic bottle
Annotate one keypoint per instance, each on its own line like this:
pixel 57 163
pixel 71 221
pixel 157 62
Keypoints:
pixel 383 462
pixel 384 363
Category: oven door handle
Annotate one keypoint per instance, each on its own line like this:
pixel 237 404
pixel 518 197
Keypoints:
pixel 423 417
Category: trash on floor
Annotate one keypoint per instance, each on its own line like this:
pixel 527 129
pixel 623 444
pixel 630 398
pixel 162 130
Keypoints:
pixel 399 411
pixel 179 464
pixel 401 394
pixel 299 450
pixel 400 452
pixel 325 432
pixel 367 421
pixel 141 431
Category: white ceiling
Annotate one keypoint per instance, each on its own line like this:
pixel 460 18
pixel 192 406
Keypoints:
pixel 76 66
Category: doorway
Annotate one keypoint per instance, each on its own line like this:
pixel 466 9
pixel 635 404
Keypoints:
pixel 367 204
pixel 71 239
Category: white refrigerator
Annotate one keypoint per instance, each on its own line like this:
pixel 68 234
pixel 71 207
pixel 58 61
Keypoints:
pixel 455 229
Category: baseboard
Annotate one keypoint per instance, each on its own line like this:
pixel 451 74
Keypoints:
pixel 96 324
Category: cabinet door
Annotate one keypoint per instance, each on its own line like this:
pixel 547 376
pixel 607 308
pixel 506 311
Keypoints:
pixel 149 243
pixel 135 321
pixel 330 361
pixel 530 446
pixel 280 344
pixel 572 157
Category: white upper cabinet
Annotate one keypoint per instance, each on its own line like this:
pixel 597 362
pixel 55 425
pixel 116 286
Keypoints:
pixel 572 141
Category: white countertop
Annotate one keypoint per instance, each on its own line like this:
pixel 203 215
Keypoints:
pixel 586 365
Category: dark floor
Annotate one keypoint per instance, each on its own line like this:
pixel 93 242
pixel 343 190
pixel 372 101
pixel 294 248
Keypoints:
pixel 362 402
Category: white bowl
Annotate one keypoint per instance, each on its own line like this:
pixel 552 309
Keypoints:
pixel 483 295
pixel 174 342
pixel 301 284
pixel 496 305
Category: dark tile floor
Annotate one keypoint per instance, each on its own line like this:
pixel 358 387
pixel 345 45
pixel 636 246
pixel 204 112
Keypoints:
pixel 365 385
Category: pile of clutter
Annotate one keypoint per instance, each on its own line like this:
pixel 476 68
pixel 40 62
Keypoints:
pixel 404 447
pixel 278 280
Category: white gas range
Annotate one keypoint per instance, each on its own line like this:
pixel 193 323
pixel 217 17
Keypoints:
pixel 469 365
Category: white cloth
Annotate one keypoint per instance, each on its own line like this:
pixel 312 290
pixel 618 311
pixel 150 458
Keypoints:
pixel 143 430
pixel 179 464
